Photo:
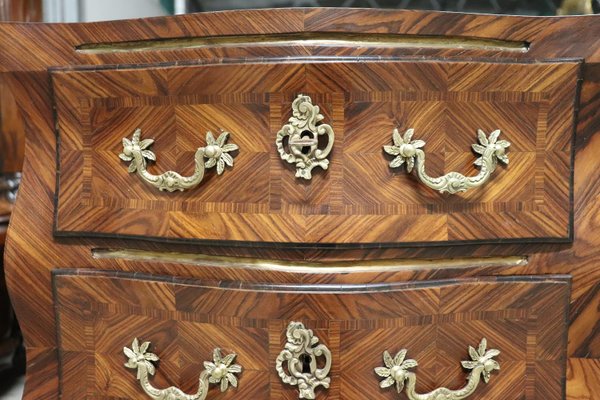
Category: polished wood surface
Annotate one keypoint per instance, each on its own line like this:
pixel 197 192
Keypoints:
pixel 99 313
pixel 12 131
pixel 359 199
pixel 33 251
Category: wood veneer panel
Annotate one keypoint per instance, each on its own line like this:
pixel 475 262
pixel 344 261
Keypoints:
pixel 523 317
pixel 359 199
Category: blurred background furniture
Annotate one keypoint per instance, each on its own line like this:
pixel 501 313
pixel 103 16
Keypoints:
pixel 92 10
pixel 530 7
pixel 12 147
pixel 12 352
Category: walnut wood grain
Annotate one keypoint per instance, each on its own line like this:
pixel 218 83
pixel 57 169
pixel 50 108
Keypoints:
pixel 33 251
pixel 99 312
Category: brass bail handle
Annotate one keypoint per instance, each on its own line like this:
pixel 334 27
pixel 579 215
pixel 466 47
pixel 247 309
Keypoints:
pixel 396 372
pixel 214 154
pixel 409 152
pixel 220 371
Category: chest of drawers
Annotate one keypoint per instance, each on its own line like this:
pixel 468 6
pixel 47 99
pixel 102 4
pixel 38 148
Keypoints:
pixel 308 203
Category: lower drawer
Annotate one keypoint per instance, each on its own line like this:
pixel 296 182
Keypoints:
pixel 99 313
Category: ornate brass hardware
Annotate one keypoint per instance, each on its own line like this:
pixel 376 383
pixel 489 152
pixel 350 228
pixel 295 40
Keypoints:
pixel 300 354
pixel 396 371
pixel 135 151
pixel 408 151
pixel 220 371
pixel 303 138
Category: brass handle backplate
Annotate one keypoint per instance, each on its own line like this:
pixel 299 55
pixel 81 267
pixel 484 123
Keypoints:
pixel 302 135
pixel 396 372
pixel 135 151
pixel 300 354
pixel 220 371
pixel 408 151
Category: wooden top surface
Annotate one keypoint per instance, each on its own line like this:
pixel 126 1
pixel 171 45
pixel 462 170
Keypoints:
pixel 37 46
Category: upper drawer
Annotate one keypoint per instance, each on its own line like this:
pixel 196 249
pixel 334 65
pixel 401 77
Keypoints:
pixel 358 199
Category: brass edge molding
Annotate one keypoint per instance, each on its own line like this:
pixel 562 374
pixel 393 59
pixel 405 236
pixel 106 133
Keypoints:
pixel 135 151
pixel 302 135
pixel 396 372
pixel 307 267
pixel 408 151
pixel 300 353
pixel 344 39
pixel 221 371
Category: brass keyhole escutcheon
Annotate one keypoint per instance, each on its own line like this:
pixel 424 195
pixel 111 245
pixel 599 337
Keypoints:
pixel 302 134
pixel 300 359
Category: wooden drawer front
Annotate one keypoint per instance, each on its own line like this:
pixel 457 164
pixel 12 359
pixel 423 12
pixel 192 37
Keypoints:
pixel 101 312
pixel 359 199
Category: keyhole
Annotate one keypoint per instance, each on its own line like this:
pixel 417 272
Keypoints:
pixel 305 360
pixel 306 135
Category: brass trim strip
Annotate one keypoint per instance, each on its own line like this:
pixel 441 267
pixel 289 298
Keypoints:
pixel 306 267
pixel 320 39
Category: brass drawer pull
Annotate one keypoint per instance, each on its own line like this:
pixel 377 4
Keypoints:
pixel 300 354
pixel 408 151
pixel 220 371
pixel 396 371
pixel 135 151
pixel 303 133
